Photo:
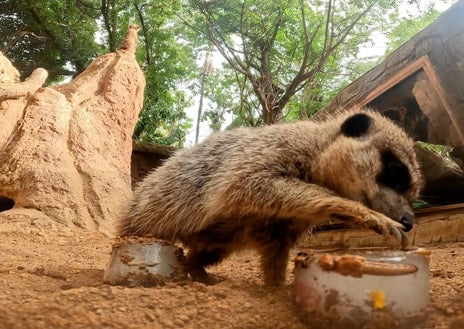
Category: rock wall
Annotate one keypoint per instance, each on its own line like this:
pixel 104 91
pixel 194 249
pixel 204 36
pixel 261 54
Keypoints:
pixel 65 151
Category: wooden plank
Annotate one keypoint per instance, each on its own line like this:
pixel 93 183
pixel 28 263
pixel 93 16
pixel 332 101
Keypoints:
pixel 456 206
pixel 399 76
pixel 439 225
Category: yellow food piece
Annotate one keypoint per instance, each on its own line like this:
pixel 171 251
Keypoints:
pixel 378 298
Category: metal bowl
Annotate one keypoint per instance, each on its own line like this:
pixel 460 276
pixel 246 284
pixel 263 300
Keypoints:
pixel 142 261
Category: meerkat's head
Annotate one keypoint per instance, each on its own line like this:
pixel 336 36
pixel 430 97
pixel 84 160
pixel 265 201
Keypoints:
pixel 372 160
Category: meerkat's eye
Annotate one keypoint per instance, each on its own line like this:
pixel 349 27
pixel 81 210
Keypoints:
pixel 395 174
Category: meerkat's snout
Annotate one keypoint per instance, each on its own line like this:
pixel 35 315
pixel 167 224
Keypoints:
pixel 407 219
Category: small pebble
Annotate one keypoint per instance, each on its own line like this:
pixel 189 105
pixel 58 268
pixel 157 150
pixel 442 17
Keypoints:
pixel 220 293
pixel 449 310
pixel 184 317
pixel 66 286
pixel 150 317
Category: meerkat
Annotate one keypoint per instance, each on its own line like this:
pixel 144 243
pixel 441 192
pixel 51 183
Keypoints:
pixel 261 188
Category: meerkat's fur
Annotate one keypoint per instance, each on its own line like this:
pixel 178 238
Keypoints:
pixel 262 187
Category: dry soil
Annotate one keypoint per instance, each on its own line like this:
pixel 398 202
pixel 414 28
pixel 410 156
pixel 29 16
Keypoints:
pixel 52 278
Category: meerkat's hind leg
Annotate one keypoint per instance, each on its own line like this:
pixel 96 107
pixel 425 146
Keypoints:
pixel 274 260
pixel 197 260
pixel 274 240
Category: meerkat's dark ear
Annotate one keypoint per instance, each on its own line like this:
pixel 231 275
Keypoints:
pixel 357 125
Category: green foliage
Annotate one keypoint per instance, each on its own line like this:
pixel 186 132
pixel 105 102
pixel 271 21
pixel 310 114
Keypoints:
pixel 410 26
pixel 221 103
pixel 64 36
pixel 163 123
pixel 442 150
pixel 286 53
pixel 167 62
pixel 283 59
pixel 54 34
pixel 230 96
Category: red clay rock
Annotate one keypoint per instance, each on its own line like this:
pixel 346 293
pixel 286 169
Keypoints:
pixel 66 150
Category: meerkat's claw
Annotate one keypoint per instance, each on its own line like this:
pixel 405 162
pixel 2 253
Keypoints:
pixel 400 236
pixel 404 240
pixel 387 227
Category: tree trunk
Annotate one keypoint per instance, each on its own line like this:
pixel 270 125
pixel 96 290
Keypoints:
pixel 268 96
pixel 65 150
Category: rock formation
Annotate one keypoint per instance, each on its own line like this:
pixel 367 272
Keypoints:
pixel 65 150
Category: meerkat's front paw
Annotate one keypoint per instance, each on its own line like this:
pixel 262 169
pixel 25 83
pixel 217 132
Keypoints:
pixel 386 226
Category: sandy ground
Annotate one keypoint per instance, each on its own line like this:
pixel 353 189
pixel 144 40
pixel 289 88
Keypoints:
pixel 52 278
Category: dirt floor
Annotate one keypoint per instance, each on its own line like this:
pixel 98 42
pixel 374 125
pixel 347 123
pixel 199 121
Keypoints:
pixel 52 278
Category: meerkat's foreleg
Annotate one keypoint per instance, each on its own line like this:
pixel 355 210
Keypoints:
pixel 293 199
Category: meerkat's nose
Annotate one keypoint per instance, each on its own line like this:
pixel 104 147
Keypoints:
pixel 407 219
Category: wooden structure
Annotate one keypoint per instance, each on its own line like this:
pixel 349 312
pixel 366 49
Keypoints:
pixel 146 157
pixel 433 225
pixel 421 87
pixel 422 82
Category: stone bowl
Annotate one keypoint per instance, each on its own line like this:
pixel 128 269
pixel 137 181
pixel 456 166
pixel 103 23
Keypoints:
pixel 144 261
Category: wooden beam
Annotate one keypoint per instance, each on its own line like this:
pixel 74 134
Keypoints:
pixel 433 225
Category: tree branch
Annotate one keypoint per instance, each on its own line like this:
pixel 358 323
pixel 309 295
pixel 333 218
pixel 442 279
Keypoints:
pixel 139 10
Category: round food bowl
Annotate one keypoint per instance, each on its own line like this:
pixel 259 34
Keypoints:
pixel 142 261
pixel 359 286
